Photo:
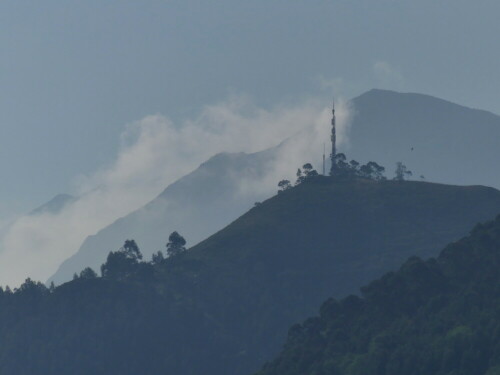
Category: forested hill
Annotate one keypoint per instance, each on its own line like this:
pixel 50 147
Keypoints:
pixel 225 306
pixel 431 317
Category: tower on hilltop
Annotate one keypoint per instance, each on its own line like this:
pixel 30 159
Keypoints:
pixel 334 143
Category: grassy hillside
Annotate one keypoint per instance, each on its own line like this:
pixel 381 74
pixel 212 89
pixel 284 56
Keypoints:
pixel 434 317
pixel 211 191
pixel 224 306
pixel 357 228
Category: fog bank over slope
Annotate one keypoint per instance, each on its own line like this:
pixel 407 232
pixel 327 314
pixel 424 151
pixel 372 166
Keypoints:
pixel 197 205
pixel 155 153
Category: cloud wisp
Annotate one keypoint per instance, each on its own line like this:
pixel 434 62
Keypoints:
pixel 156 152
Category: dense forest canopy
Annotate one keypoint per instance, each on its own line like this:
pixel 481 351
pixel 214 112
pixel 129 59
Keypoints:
pixel 432 317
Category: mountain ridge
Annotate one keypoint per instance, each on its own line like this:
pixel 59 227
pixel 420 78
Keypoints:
pixel 430 98
pixel 441 140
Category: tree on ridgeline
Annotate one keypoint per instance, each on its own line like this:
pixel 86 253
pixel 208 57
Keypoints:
pixel 353 169
pixel 305 173
pixel 176 244
pixel 372 171
pixel 342 167
pixel 300 177
pixel 157 257
pixel 88 273
pixel 131 250
pixel 309 171
pixel 122 262
pixel 354 165
pixel 402 173
pixel 284 185
pixel 30 287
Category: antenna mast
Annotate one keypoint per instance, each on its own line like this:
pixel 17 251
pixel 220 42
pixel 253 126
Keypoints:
pixel 334 142
pixel 324 159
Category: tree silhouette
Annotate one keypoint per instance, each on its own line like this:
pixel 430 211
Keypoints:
pixel 284 185
pixel 401 172
pixel 122 262
pixel 157 257
pixel 305 173
pixel 309 171
pixel 300 177
pixel 175 244
pixel 340 166
pixel 372 171
pixel 88 273
pixel 131 250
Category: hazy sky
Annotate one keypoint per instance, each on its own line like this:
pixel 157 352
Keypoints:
pixel 74 73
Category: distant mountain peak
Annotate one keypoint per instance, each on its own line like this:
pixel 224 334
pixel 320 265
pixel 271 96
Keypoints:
pixel 435 138
pixel 375 93
pixel 422 99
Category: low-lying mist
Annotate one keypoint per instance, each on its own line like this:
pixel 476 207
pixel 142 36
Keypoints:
pixel 154 153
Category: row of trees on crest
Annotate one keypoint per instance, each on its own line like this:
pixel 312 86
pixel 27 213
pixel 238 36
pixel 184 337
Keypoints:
pixel 344 169
pixel 341 168
pixel 128 259
pixel 125 261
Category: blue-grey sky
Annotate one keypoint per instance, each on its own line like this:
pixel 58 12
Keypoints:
pixel 74 73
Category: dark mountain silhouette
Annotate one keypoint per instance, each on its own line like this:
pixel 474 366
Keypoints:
pixel 431 317
pixel 225 305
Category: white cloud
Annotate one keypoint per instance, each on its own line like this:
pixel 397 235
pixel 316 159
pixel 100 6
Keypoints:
pixel 155 152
